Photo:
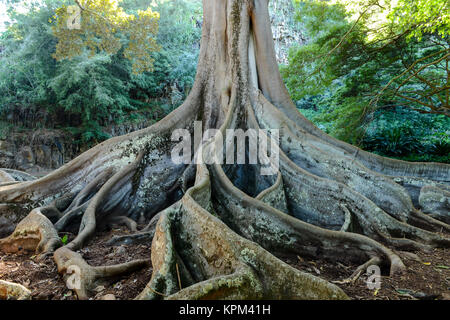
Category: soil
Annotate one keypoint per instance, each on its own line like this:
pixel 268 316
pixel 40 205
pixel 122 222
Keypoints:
pixel 427 275
pixel 45 283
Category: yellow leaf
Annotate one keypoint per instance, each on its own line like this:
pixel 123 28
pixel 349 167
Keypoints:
pixel 376 292
pixel 427 263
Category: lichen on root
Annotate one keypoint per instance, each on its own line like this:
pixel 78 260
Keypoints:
pixel 13 291
pixel 216 228
pixel 34 234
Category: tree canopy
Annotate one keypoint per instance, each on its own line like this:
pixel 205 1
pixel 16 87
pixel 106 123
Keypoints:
pixel 366 59
pixel 366 67
pixel 122 59
pixel 100 25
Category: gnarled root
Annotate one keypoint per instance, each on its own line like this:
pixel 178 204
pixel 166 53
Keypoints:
pixel 374 261
pixel 436 202
pixel 122 220
pixel 5 177
pixel 35 233
pixel 17 175
pixel 194 249
pixel 83 278
pixel 144 236
pixel 13 291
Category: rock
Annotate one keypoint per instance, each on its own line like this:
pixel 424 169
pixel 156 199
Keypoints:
pixel 24 158
pixel 35 150
pixel 57 160
pixel 108 297
pixel 43 155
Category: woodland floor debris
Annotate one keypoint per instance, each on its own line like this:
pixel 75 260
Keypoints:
pixel 45 283
pixel 425 279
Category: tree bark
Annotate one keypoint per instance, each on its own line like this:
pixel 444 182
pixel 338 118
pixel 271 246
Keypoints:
pixel 216 229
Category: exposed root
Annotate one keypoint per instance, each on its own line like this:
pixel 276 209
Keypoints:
pixel 151 226
pixel 69 217
pixel 123 220
pixel 88 222
pixel 355 275
pixel 35 233
pixel 83 278
pixel 221 264
pixel 430 222
pixel 405 244
pixel 139 237
pixel 5 177
pixel 10 183
pixel 144 236
pixel 348 219
pixel 318 200
pixel 274 195
pixel 318 158
pixel 90 189
pixel 13 291
pixel 281 233
pixel 17 175
pixel 436 202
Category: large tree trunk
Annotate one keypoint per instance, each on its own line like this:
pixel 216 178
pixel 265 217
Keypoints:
pixel 216 228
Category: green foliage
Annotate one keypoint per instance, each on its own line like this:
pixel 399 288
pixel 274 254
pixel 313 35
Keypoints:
pixel 64 239
pixel 103 26
pixel 26 62
pixel 180 33
pixel 441 147
pixel 364 60
pixel 422 16
pixel 95 88
pixel 92 87
pixel 396 140
pixel 408 134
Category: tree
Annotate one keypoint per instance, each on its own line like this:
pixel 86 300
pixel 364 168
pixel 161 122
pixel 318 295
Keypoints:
pixel 211 239
pixel 26 62
pixel 369 55
pixel 85 93
pixel 98 25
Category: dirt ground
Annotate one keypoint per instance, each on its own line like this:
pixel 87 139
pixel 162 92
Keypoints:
pixel 427 276
pixel 45 283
